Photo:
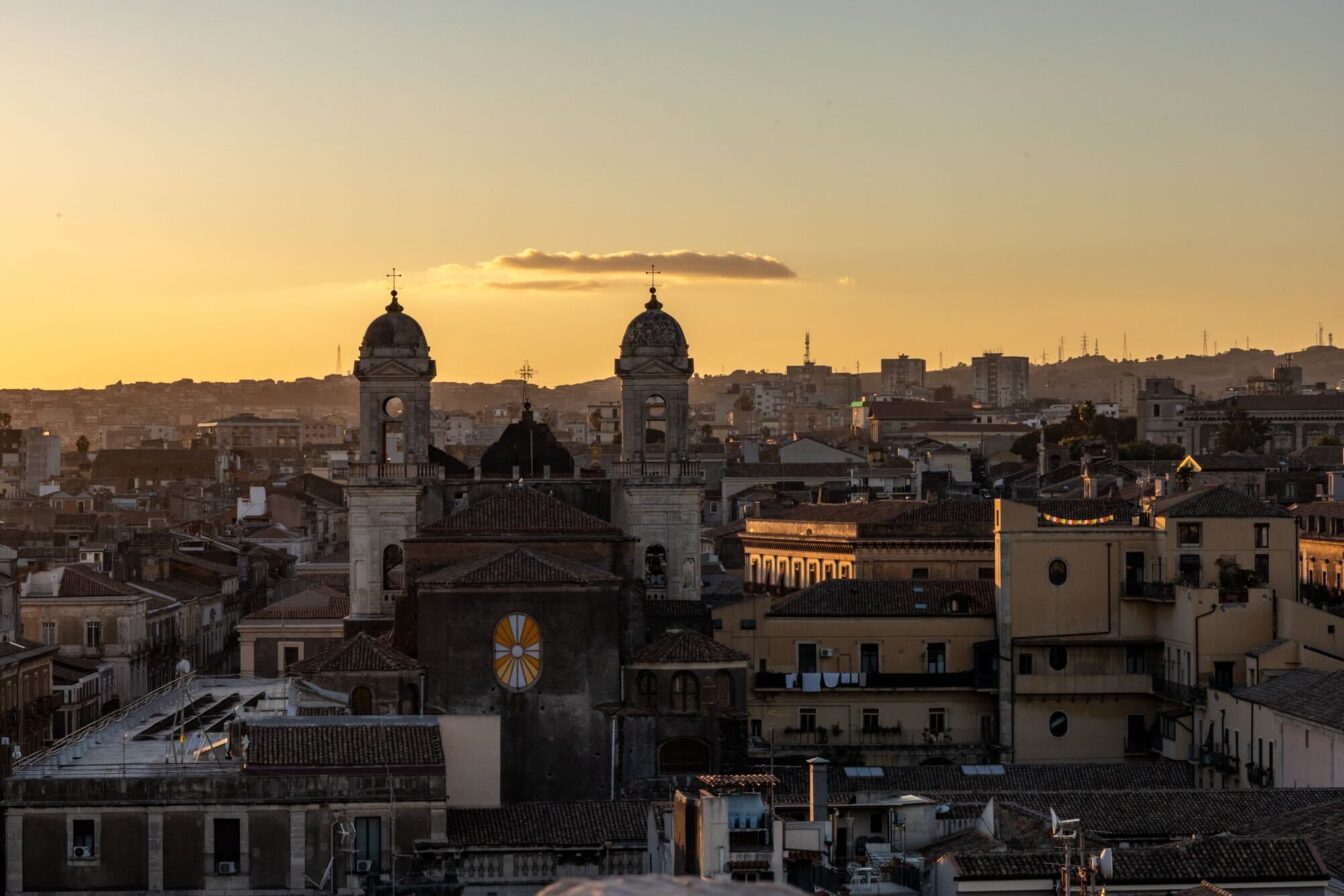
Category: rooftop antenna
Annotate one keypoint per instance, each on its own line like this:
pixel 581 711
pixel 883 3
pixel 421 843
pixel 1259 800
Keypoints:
pixel 338 358
pixel 526 373
pixel 1084 343
pixel 807 348
pixel 1320 333
pixel 1059 357
pixel 1206 342
pixel 1124 347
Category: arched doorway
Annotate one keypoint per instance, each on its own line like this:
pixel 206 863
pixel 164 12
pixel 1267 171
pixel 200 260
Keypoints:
pixel 361 701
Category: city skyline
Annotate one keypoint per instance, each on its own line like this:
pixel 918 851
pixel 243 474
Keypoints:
pixel 225 191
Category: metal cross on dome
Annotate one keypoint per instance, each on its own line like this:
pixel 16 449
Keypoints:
pixel 653 274
pixel 526 373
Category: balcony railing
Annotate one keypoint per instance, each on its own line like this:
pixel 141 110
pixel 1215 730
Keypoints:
pixel 658 470
pixel 1185 694
pixel 891 738
pixel 850 681
pixel 1163 591
pixel 365 473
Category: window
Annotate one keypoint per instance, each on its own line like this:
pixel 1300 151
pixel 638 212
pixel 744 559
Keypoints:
pixel 807 720
pixel 807 657
pixel 655 566
pixel 1188 570
pixel 1058 658
pixel 1135 662
pixel 937 720
pixel 369 841
pixel 361 701
pixel 937 658
pixel 1222 675
pixel 48 633
pixel 228 843
pixel 871 719
pixel 1189 534
pixel 919 572
pixel 1059 724
pixel 1025 664
pixel 646 686
pixel 93 634
pixel 723 690
pixel 1262 535
pixel 83 838
pixel 756 728
pixel 289 655
pixel 877 822
pixel 1262 568
pixel 869 661
pixel 986 572
pixel 747 625
pixel 685 692
pixel 1058 572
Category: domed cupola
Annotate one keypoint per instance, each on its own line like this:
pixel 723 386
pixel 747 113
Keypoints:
pixel 654 334
pixel 396 331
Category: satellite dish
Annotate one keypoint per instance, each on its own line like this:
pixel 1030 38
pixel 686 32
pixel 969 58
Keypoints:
pixel 183 666
pixel 1106 864
pixel 1054 822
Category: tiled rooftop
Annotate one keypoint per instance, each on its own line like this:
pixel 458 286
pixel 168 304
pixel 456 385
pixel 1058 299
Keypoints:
pixel 1311 694
pixel 360 653
pixel 686 647
pixel 314 602
pixel 551 825
pixel 520 510
pixel 1217 501
pixel 520 566
pixel 395 742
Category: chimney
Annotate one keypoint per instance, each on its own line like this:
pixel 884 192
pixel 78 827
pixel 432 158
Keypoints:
pixel 817 783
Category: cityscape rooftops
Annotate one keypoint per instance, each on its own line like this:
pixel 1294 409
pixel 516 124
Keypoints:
pixel 890 597
pixel 1215 501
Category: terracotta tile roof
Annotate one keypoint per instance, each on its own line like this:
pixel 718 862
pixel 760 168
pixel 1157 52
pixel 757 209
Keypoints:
pixel 1164 814
pixel 553 825
pixel 1269 403
pixel 358 654
pixel 958 517
pixel 1204 888
pixel 519 566
pixel 889 597
pixel 398 742
pixel 1310 694
pixel 84 581
pixel 339 580
pixel 154 463
pixel 1218 501
pixel 1322 825
pixel 1225 859
pixel 684 646
pixel 1236 461
pixel 314 602
pixel 520 510
pixel 87 522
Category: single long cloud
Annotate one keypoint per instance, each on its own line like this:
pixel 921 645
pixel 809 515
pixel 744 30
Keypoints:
pixel 548 285
pixel 684 263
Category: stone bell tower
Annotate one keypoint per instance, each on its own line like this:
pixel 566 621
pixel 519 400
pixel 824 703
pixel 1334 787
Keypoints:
pixel 388 478
pixel 658 490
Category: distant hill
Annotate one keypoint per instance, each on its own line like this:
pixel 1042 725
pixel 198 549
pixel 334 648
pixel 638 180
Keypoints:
pixel 1093 376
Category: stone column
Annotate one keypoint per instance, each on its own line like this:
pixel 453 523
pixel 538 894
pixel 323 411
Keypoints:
pixel 298 851
pixel 14 852
pixel 155 850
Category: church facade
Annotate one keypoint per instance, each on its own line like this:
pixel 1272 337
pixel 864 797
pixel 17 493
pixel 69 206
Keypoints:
pixel 521 587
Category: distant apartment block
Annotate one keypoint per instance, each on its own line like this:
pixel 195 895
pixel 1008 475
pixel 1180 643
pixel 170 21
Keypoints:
pixel 604 422
pixel 1161 411
pixel 1000 380
pixel 901 372
pixel 251 431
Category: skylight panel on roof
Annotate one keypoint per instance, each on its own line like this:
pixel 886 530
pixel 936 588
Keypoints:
pixel 862 771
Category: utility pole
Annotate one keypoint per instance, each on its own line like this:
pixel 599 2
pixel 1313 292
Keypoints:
pixel 1206 343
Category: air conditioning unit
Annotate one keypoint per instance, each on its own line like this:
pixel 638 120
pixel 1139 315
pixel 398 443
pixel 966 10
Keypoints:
pixel 827 652
pixel 81 852
pixel 363 866
pixel 226 868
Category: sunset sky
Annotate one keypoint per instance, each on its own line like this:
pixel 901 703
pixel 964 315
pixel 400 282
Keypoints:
pixel 216 190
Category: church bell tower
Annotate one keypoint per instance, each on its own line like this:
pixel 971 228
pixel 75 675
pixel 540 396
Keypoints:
pixel 659 491
pixel 387 479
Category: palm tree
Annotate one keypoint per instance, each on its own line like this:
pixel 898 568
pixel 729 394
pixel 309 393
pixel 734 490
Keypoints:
pixel 82 445
pixel 1241 432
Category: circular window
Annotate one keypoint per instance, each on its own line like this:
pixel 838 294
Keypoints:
pixel 1059 724
pixel 394 407
pixel 517 651
pixel 1059 658
pixel 1058 572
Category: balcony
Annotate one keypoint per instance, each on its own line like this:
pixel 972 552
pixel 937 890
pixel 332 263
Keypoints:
pixel 1184 694
pixel 870 681
pixel 887 738
pixel 1082 681
pixel 672 472
pixel 1156 591
pixel 392 474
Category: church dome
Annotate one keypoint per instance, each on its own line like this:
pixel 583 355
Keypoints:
pixel 395 329
pixel 654 328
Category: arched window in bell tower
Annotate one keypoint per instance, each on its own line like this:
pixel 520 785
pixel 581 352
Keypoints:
pixel 392 558
pixel 392 443
pixel 655 566
pixel 655 425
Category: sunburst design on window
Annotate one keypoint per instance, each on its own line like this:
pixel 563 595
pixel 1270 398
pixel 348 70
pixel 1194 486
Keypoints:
pixel 517 651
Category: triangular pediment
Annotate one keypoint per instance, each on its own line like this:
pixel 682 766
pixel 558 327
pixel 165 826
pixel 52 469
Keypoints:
pixel 654 367
pixel 388 369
